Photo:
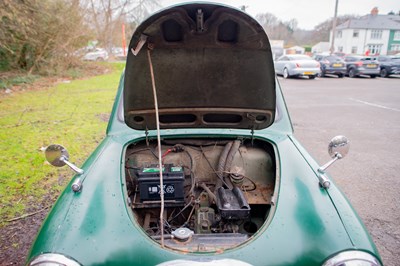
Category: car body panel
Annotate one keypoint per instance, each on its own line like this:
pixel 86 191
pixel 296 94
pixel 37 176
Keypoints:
pixel 235 75
pixel 117 125
pixel 96 229
pixel 349 217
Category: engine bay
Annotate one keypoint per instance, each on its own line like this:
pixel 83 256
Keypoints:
pixel 217 192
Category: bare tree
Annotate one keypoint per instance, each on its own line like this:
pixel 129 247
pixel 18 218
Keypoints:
pixel 277 29
pixel 37 35
pixel 322 30
pixel 269 22
pixel 142 10
pixel 107 16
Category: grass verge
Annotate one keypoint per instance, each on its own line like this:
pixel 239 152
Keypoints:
pixel 7 82
pixel 73 114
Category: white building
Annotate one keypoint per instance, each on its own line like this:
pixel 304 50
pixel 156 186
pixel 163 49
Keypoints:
pixel 320 47
pixel 277 48
pixel 370 34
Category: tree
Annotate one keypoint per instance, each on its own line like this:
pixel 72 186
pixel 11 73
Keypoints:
pixel 269 22
pixel 322 30
pixel 142 9
pixel 37 35
pixel 277 29
pixel 107 16
pixel 291 25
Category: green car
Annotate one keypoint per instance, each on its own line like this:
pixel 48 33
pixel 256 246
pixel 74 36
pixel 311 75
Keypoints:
pixel 199 165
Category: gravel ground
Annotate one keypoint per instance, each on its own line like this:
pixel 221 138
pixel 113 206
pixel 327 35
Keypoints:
pixel 16 239
pixel 367 111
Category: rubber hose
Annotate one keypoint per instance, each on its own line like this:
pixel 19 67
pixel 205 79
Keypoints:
pixel 229 160
pixel 221 164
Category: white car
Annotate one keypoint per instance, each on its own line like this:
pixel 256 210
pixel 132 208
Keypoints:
pixel 118 53
pixel 97 54
pixel 297 65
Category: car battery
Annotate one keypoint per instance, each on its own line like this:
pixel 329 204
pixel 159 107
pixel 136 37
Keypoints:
pixel 149 183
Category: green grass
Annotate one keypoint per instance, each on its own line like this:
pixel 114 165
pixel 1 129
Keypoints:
pixel 69 114
pixel 18 80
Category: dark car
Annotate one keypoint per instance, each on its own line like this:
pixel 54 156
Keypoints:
pixel 358 65
pixel 331 64
pixel 340 54
pixel 199 164
pixel 389 65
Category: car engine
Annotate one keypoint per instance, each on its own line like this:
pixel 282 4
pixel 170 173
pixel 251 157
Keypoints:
pixel 217 192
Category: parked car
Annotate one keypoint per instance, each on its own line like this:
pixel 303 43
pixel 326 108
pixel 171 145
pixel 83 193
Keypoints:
pixel 389 65
pixel 340 54
pixel 199 165
pixel 96 54
pixel 296 65
pixel 118 53
pixel 361 65
pixel 331 64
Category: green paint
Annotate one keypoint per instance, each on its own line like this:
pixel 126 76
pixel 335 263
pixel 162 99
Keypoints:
pixel 392 41
pixel 152 170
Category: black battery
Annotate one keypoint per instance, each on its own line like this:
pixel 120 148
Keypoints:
pixel 149 183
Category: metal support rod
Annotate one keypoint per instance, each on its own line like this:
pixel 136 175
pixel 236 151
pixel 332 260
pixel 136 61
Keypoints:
pixel 71 165
pixel 325 166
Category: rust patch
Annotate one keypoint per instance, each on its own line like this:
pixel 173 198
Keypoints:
pixel 219 251
pixel 261 195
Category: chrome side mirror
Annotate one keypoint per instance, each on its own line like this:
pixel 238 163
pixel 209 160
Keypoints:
pixel 58 156
pixel 338 148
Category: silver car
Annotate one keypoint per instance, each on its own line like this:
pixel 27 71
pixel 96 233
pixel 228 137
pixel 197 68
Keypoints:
pixel 97 54
pixel 297 65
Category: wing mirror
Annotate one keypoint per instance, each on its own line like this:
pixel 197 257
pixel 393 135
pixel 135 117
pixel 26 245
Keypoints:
pixel 58 156
pixel 338 148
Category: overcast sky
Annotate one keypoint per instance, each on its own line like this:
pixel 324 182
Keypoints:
pixel 308 13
